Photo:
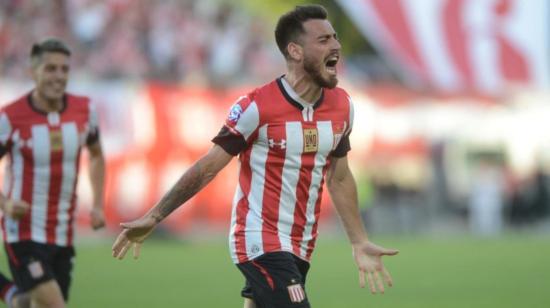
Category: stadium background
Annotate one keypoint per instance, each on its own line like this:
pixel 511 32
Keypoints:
pixel 450 146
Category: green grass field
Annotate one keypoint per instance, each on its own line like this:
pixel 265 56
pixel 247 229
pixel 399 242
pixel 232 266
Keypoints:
pixel 509 272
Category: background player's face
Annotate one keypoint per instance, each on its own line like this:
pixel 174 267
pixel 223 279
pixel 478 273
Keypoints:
pixel 50 74
pixel 321 52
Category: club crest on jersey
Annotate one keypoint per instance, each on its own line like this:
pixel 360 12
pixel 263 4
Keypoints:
pixel 235 113
pixel 296 293
pixel 281 144
pixel 56 140
pixel 311 140
pixel 35 269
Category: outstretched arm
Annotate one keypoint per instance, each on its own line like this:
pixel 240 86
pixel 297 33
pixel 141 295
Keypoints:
pixel 97 180
pixel 191 182
pixel 343 191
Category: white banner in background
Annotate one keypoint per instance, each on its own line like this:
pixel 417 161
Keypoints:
pixel 482 45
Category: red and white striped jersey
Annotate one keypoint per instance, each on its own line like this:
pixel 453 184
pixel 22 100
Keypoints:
pixel 44 150
pixel 284 145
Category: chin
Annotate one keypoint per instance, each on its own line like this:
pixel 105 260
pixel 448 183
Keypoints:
pixel 55 96
pixel 330 82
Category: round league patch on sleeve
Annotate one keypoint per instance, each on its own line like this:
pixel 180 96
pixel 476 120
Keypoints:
pixel 235 113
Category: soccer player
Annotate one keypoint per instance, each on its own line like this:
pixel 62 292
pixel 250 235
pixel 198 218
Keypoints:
pixel 290 135
pixel 43 133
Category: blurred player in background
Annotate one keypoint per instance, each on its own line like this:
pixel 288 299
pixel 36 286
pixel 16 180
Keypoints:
pixel 43 133
pixel 289 135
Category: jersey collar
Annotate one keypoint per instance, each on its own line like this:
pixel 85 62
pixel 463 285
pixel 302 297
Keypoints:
pixel 33 107
pixel 293 98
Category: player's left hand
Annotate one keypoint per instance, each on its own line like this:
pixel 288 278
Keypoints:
pixel 368 257
pixel 97 218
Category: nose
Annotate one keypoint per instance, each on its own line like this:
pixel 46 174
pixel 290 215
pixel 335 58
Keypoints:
pixel 336 45
pixel 60 74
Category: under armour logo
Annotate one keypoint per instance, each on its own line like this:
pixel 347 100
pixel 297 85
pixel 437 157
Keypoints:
pixel 281 144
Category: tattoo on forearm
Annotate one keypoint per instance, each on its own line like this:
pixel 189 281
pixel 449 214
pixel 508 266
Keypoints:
pixel 187 186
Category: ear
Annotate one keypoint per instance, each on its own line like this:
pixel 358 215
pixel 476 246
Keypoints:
pixel 295 51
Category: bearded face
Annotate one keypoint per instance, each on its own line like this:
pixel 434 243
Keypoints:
pixel 322 72
pixel 321 52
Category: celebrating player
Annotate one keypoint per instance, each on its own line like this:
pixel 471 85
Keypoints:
pixel 290 135
pixel 43 133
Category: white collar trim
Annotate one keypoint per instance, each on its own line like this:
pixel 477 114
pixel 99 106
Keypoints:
pixel 290 91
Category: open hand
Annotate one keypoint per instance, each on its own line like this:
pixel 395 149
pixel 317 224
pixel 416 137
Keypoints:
pixel 368 257
pixel 133 234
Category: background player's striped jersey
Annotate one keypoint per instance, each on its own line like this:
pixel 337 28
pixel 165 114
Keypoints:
pixel 44 150
pixel 284 145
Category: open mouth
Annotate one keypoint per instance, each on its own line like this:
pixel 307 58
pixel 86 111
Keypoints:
pixel 330 64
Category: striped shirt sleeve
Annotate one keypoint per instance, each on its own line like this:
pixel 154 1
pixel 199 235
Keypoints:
pixel 344 146
pixel 5 133
pixel 240 125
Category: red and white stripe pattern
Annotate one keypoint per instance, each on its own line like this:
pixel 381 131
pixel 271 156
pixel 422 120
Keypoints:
pixel 277 202
pixel 296 293
pixel 44 153
pixel 481 45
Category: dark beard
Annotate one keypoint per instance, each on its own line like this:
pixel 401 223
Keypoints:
pixel 315 72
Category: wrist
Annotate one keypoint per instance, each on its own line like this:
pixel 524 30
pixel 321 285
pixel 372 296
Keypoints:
pixel 360 242
pixel 154 214
pixel 156 217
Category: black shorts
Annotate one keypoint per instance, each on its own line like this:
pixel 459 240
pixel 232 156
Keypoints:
pixel 33 263
pixel 276 279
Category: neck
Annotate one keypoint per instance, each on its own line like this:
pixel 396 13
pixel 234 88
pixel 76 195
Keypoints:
pixel 304 86
pixel 45 104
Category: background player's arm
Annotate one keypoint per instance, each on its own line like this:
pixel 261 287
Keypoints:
pixel 15 209
pixel 97 180
pixel 12 208
pixel 343 191
pixel 190 183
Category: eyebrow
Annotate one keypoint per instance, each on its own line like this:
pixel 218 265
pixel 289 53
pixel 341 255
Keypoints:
pixel 323 36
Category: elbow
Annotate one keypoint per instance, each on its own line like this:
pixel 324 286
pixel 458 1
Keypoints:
pixel 329 180
pixel 332 184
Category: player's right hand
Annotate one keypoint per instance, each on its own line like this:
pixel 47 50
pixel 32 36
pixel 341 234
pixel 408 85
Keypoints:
pixel 133 234
pixel 16 209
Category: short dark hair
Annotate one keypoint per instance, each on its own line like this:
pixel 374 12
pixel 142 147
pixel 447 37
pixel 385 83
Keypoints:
pixel 49 45
pixel 290 25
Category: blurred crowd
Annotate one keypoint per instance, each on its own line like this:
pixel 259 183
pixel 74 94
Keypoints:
pixel 187 41
pixel 407 191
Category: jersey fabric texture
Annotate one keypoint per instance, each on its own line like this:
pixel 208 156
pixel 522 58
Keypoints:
pixel 284 145
pixel 44 150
